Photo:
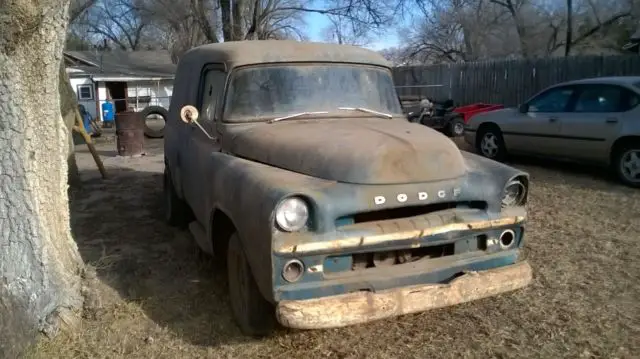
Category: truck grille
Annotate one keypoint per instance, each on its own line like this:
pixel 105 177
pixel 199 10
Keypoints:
pixel 405 212
pixel 379 259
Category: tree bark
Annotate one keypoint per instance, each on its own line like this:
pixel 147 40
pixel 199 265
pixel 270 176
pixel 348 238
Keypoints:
pixel 225 15
pixel 40 267
pixel 567 46
pixel 237 16
pixel 68 107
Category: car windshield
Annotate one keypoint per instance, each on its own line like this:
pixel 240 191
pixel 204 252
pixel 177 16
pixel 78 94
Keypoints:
pixel 262 92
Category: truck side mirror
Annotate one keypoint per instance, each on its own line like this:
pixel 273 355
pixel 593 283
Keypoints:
pixel 524 108
pixel 189 115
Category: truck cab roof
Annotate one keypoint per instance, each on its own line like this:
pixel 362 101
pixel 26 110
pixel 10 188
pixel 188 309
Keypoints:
pixel 241 53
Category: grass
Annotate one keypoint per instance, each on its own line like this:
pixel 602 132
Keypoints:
pixel 157 297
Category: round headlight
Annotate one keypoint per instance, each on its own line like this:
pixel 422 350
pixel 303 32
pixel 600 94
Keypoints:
pixel 292 214
pixel 514 194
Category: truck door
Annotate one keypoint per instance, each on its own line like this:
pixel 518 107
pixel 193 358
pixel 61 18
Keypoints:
pixel 198 170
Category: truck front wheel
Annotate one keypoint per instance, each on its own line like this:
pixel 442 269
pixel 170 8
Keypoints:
pixel 254 315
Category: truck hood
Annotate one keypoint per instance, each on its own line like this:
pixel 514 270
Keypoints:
pixel 360 151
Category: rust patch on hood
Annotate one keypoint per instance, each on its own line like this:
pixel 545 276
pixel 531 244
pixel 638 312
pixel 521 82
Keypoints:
pixel 360 151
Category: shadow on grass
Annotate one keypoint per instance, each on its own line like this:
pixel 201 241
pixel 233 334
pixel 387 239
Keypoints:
pixel 577 175
pixel 118 226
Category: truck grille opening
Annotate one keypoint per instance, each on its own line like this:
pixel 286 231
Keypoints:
pixel 406 212
pixel 363 261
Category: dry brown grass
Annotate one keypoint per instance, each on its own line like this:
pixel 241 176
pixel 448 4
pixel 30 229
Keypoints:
pixel 158 298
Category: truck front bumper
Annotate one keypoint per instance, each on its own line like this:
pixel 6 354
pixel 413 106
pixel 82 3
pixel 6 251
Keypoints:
pixel 361 307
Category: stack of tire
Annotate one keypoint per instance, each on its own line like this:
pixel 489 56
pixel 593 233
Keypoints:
pixel 154 110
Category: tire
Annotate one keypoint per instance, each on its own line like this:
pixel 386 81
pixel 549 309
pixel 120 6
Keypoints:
pixel 455 127
pixel 626 165
pixel 154 110
pixel 421 120
pixel 414 119
pixel 490 143
pixel 254 315
pixel 176 210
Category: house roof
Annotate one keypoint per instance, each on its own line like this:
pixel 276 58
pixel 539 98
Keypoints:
pixel 120 64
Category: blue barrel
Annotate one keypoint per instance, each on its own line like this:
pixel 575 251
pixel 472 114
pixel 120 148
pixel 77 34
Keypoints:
pixel 107 112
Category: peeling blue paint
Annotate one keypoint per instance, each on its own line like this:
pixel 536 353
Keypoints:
pixel 335 264
pixel 316 286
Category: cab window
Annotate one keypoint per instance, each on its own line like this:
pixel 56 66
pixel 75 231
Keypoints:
pixel 211 91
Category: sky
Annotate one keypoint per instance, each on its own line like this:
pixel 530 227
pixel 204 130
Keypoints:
pixel 317 23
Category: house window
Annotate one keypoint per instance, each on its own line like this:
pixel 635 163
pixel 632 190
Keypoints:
pixel 85 92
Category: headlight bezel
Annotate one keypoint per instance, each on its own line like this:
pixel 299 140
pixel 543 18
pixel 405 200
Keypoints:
pixel 279 215
pixel 519 198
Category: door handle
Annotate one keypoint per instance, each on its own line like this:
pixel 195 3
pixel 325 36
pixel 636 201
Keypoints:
pixel 612 120
pixel 553 119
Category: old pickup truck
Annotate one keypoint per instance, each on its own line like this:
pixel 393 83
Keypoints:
pixel 294 164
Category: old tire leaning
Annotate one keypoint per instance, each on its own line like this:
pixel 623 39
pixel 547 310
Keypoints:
pixel 455 127
pixel 626 164
pixel 154 110
pixel 176 210
pixel 490 143
pixel 254 315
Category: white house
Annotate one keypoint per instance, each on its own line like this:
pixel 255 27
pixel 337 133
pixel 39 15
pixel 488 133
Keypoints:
pixel 130 79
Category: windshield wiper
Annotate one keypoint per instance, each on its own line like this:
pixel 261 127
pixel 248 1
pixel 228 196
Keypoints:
pixel 362 109
pixel 296 115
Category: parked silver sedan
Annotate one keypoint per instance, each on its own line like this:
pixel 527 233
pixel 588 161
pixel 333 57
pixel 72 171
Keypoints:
pixel 592 120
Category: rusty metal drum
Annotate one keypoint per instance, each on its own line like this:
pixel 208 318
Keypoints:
pixel 129 133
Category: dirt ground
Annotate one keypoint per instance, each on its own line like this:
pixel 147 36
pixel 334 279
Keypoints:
pixel 158 297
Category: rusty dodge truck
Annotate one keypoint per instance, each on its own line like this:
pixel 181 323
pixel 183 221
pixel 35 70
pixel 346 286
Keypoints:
pixel 294 165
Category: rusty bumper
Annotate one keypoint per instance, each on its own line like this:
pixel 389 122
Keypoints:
pixel 361 307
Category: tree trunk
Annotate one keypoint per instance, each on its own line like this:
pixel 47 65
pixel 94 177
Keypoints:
pixel 225 15
pixel 567 46
pixel 237 16
pixel 40 267
pixel 68 106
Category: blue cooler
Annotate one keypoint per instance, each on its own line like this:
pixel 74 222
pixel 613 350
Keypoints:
pixel 108 115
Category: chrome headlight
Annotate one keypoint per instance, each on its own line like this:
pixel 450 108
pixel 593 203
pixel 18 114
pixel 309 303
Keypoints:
pixel 292 214
pixel 514 193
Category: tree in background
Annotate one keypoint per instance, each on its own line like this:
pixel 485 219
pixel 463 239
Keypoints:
pixel 346 32
pixel 177 25
pixel 471 30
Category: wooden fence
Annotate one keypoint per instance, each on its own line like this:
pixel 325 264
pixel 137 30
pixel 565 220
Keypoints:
pixel 509 82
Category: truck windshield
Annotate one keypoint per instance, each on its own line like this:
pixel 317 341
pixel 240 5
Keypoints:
pixel 263 92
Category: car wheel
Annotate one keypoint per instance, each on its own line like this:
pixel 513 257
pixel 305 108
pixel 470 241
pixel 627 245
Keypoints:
pixel 627 165
pixel 491 144
pixel 455 128
pixel 254 315
pixel 176 211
